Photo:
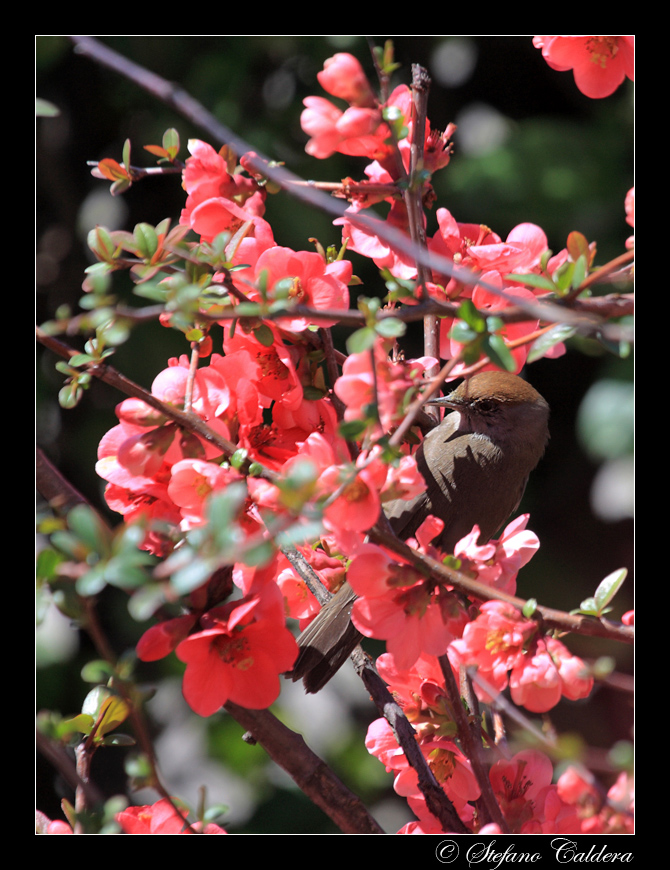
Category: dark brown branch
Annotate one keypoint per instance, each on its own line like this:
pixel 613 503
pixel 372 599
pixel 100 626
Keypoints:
pixel 436 800
pixel 308 771
pixel 470 738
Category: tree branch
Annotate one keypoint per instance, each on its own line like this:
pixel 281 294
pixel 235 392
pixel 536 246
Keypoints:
pixel 308 771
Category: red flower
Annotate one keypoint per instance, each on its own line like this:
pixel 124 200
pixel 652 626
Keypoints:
pixel 238 655
pixel 600 63
pixel 160 818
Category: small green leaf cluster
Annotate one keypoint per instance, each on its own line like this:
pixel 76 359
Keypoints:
pixel 385 327
pixel 480 336
pixel 84 556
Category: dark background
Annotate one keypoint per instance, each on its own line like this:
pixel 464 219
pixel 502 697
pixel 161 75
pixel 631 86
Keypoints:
pixel 530 147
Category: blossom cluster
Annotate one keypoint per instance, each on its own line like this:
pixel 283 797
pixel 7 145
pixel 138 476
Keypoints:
pixel 265 395
pixel 162 818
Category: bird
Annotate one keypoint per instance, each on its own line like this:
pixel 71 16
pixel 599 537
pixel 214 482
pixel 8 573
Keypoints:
pixel 476 465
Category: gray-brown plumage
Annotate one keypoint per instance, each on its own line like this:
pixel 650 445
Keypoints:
pixel 476 465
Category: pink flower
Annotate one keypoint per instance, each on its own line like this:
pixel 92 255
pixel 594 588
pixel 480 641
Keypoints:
pixel 218 200
pixel 388 385
pixel 403 481
pixel 343 77
pixel 161 639
pixel 495 642
pixel 577 787
pixel 520 252
pixel 629 205
pixel 301 277
pixel 421 691
pixel 451 768
pixel 357 506
pixel 191 483
pixel 355 131
pixel 497 563
pixel 238 655
pixel 384 255
pixel 548 671
pixel 600 63
pixel 528 800
pixel 161 818
pixel 395 604
pixel 271 367
pixel 453 242
pixel 535 682
pixel 59 827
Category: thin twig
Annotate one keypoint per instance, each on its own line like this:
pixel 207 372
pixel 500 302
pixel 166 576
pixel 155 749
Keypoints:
pixel 549 617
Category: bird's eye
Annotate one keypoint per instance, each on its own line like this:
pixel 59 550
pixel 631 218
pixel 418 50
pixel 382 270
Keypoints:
pixel 485 406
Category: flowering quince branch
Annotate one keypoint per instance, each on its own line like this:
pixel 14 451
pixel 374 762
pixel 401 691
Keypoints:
pixel 368 222
pixel 246 470
pixel 285 747
pixel 64 497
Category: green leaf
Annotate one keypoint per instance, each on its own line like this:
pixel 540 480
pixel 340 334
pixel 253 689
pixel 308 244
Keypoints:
pixel 462 333
pixel 146 240
pixel 580 271
pixel 497 351
pixel 352 429
pixel 94 701
pixel 264 335
pixel 543 344
pixel 529 608
pixel 361 340
pixel 563 277
pixel 84 522
pixel 468 313
pixel 259 554
pixel 143 603
pixel 101 243
pixel 82 723
pixel 609 587
pixel 577 246
pixel 92 582
pixel 126 154
pixel 171 141
pixel 48 561
pixel 604 594
pixel 224 507
pixel 193 575
pixel 540 282
pixel 97 671
pixel 390 327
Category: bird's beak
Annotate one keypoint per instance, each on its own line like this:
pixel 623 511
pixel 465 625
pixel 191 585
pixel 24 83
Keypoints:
pixel 450 401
